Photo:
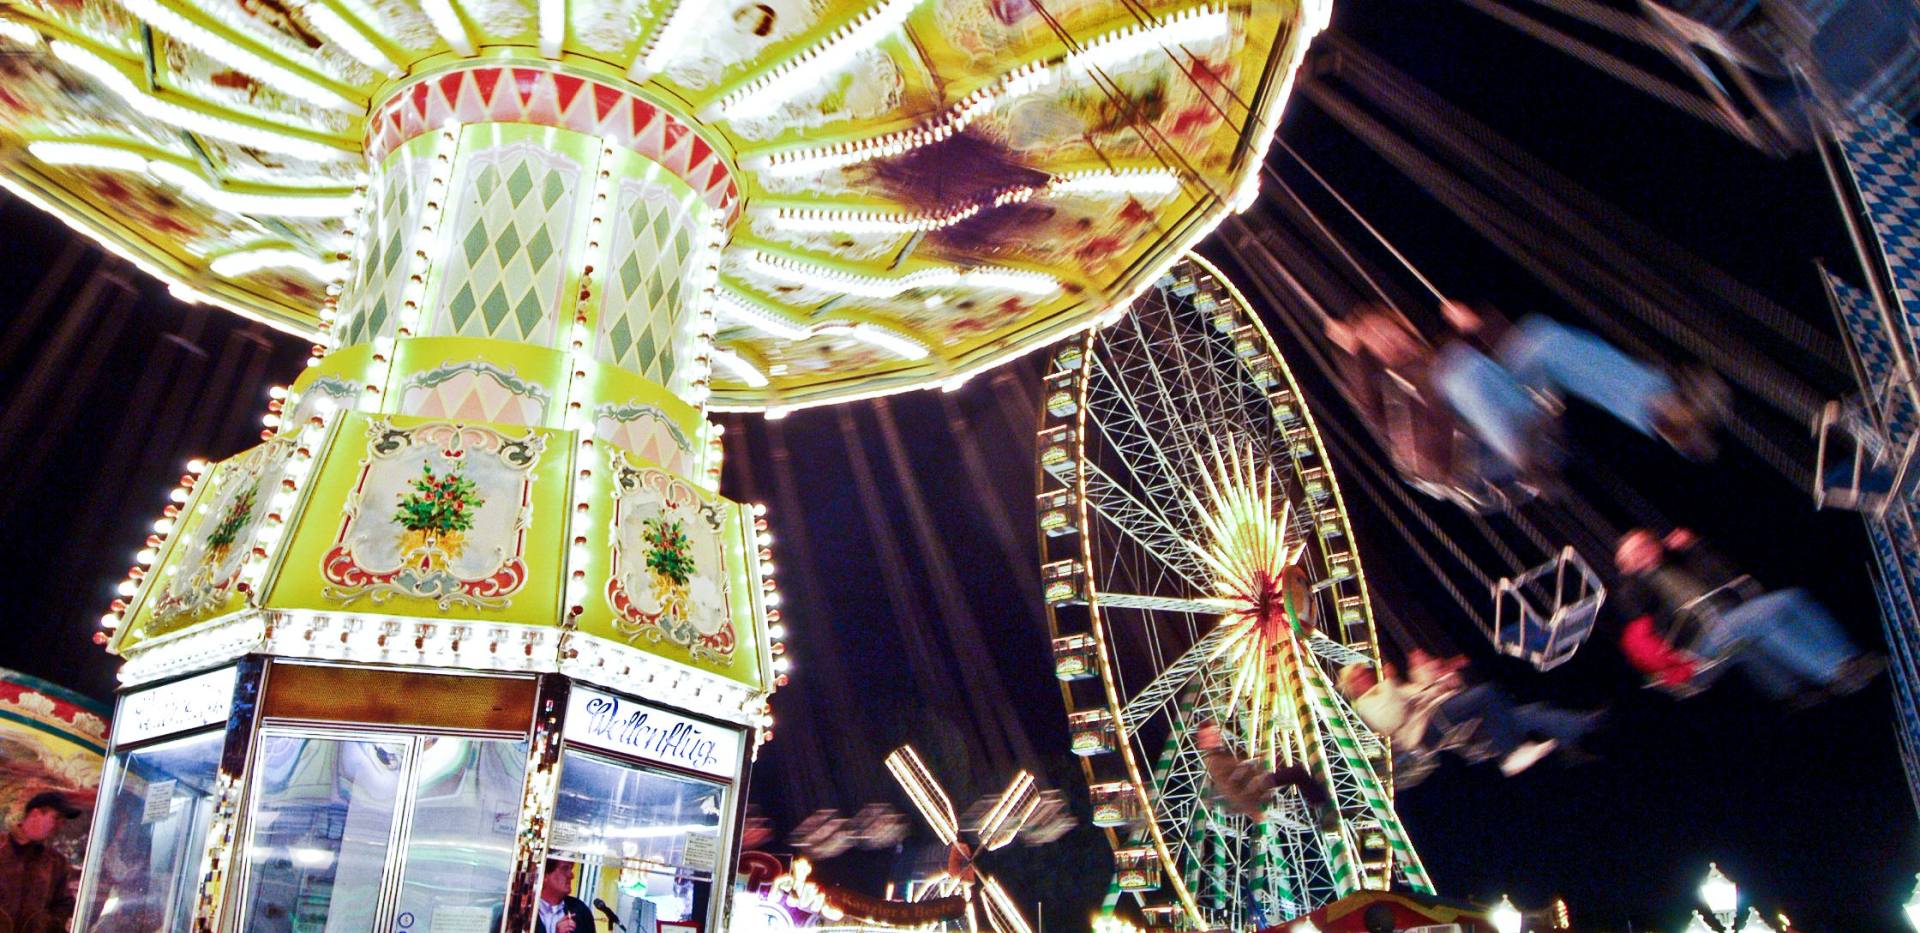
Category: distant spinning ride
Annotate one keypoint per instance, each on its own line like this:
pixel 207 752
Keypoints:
pixel 475 599
pixel 1200 568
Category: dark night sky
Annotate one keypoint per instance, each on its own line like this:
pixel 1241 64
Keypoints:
pixel 101 400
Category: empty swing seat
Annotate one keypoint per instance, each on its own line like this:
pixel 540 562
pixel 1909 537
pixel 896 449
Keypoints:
pixel 1856 465
pixel 1544 615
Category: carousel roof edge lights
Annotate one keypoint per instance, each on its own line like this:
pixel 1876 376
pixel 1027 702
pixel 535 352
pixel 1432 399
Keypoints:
pixel 500 647
pixel 916 190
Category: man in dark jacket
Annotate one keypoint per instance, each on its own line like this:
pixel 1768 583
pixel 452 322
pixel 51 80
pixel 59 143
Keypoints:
pixel 559 910
pixel 36 882
pixel 1684 616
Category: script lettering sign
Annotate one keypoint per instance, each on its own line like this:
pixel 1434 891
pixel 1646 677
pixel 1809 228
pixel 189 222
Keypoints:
pixel 632 728
pixel 200 700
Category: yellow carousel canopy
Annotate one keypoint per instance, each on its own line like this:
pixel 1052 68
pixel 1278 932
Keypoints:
pixel 913 190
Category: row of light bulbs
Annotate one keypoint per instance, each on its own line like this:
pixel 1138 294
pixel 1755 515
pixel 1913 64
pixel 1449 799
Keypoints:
pixel 1194 25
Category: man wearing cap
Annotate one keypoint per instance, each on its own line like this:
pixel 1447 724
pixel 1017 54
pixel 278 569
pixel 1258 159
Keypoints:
pixel 36 890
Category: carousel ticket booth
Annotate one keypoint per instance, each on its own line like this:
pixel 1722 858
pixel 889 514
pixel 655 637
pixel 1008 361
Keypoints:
pixel 297 794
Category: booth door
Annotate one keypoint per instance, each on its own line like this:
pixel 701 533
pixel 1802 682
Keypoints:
pixel 648 840
pixel 353 832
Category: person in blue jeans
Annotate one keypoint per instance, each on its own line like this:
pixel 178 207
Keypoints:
pixel 1479 409
pixel 1683 619
pixel 1436 702
pixel 1505 382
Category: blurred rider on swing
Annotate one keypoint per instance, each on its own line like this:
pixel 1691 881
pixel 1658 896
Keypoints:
pixel 1248 786
pixel 1691 612
pixel 1426 713
pixel 1474 419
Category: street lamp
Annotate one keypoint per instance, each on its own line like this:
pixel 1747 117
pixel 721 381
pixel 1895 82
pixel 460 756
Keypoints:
pixel 1504 916
pixel 1721 895
pixel 1913 907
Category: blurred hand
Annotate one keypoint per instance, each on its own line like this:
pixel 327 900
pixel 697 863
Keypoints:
pixel 1680 539
pixel 1342 335
pixel 1208 737
pixel 1463 318
pixel 564 924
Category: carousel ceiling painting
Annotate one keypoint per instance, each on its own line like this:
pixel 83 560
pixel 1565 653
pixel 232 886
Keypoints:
pixel 910 190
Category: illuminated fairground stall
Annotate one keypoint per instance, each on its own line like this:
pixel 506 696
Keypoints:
pixel 475 601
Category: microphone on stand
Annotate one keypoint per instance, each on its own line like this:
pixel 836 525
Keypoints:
pixel 608 913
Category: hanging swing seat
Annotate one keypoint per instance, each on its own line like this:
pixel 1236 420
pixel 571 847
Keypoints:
pixel 1857 466
pixel 1691 623
pixel 1727 72
pixel 1544 615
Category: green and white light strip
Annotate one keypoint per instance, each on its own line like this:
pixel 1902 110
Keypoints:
pixel 189 119
pixel 811 68
pixel 813 276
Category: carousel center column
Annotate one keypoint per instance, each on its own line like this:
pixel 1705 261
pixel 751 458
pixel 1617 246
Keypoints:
pixel 483 547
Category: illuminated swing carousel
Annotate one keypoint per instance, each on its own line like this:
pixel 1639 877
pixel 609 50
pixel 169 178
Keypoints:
pixel 475 600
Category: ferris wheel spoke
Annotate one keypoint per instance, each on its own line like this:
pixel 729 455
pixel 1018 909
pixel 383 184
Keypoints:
pixel 1178 674
pixel 1336 652
pixel 1133 369
pixel 1198 412
pixel 1180 781
pixel 1145 526
pixel 1133 433
pixel 1210 390
pixel 1200 605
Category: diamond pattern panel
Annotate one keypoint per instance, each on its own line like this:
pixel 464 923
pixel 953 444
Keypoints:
pixel 1897 551
pixel 503 275
pixel 478 393
pixel 1875 349
pixel 370 303
pixel 654 245
pixel 1885 161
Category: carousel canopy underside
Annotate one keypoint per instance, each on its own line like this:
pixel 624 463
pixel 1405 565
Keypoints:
pixel 914 190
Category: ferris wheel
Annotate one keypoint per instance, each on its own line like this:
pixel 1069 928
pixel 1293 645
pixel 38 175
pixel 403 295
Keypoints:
pixel 1199 567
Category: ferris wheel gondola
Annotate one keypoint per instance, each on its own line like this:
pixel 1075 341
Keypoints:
pixel 1200 568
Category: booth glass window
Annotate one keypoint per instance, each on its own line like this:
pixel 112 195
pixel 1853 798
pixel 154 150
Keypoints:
pixel 463 833
pixel 648 839
pixel 323 819
pixel 155 805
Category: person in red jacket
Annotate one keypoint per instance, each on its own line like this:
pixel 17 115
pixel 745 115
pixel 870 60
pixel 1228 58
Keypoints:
pixel 1686 612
